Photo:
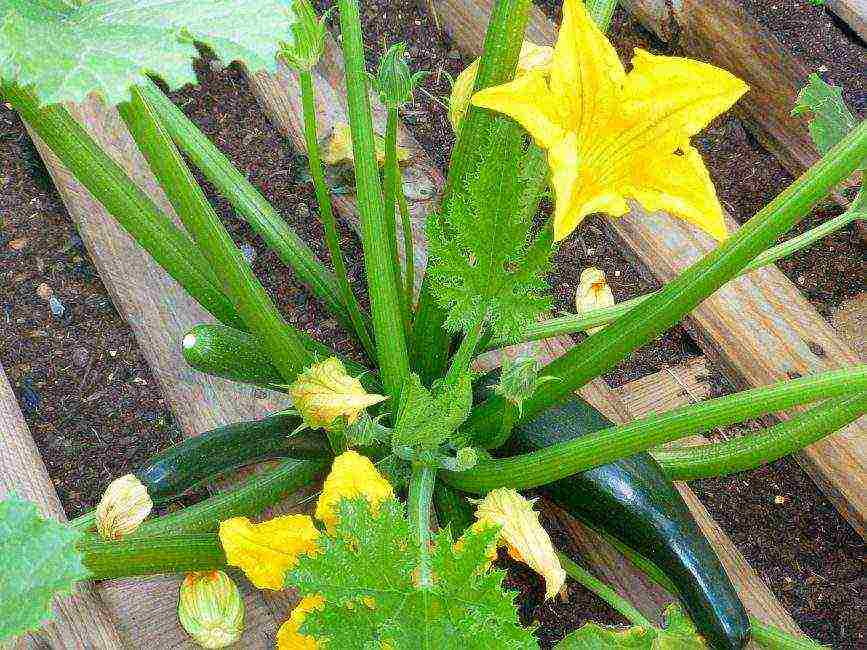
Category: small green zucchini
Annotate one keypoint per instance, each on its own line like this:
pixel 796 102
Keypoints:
pixel 198 460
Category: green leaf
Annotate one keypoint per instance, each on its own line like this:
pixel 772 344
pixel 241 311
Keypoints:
pixel 429 418
pixel 486 265
pixel 107 46
pixel 373 557
pixel 832 120
pixel 38 559
pixel 679 634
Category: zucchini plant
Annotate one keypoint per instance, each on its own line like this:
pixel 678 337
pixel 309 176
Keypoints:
pixel 414 418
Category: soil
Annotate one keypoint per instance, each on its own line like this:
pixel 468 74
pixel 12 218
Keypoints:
pixel 87 393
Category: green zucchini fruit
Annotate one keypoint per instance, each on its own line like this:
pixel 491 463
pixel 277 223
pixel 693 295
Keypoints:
pixel 232 354
pixel 197 460
pixel 633 501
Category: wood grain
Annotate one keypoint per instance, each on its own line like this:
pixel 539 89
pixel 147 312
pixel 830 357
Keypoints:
pixel 159 313
pixel 81 619
pixel 758 328
pixel 853 13
pixel 281 98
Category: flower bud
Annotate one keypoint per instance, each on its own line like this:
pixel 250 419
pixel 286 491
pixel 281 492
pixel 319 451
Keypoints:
pixel 124 505
pixel 307 32
pixel 210 609
pixel 395 83
pixel 519 379
pixel 592 293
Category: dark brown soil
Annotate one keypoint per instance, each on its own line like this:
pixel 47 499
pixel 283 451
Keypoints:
pixel 88 394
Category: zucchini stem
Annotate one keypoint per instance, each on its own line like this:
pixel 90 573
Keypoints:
pixel 326 212
pixel 421 486
pixel 391 189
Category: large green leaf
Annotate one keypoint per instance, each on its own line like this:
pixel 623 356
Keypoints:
pixel 67 51
pixel 367 575
pixel 831 118
pixel 678 634
pixel 38 559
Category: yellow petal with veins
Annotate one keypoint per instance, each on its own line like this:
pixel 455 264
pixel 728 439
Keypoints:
pixel 352 475
pixel 288 636
pixel 325 392
pixel 338 148
pixel 266 551
pixel 525 538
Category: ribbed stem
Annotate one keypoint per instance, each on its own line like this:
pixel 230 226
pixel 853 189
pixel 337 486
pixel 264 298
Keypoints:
pixel 418 504
pixel 281 341
pixel 391 188
pixel 601 11
pixel 249 499
pixel 169 246
pixel 249 203
pixel 605 592
pixel 602 351
pixel 391 347
pixel 326 212
pixel 749 452
pixel 461 361
pixel 151 555
pixel 564 459
pixel 408 248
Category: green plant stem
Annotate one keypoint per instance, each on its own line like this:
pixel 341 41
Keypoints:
pixel 408 248
pixel 418 502
pixel 391 345
pixel 250 204
pixel 573 323
pixel 602 11
pixel 326 212
pixel 602 351
pixel 391 188
pixel 169 246
pixel 281 341
pixel 151 555
pixel 85 522
pixel 564 459
pixel 249 499
pixel 461 361
pixel 606 593
pixel 503 40
pixel 748 452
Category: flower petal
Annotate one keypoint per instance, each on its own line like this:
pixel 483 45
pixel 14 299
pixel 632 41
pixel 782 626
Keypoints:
pixel 265 551
pixel 325 392
pixel 592 293
pixel 288 636
pixel 352 475
pixel 586 72
pixel 681 185
pixel 576 191
pixel 526 540
pixel 528 101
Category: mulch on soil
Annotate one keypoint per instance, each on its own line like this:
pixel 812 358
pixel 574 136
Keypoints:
pixel 88 394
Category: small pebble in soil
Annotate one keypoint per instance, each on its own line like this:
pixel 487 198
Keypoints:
pixel 44 291
pixel 248 252
pixel 17 244
pixel 57 308
pixel 80 357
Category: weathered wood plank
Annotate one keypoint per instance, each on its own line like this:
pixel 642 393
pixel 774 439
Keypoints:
pixel 281 98
pixel 853 13
pixel 81 619
pixel 759 327
pixel 159 313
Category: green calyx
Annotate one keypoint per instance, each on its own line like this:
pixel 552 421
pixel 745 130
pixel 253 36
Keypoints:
pixel 308 36
pixel 395 82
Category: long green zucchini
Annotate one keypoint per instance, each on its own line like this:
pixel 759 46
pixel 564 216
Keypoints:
pixel 197 460
pixel 633 501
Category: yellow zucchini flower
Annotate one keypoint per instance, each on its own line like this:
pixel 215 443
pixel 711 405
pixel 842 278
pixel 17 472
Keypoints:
pixel 612 136
pixel 288 636
pixel 266 551
pixel 352 475
pixel 592 293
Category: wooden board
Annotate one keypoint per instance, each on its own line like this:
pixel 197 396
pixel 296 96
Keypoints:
pixel 81 620
pixel 759 328
pixel 281 98
pixel 853 13
pixel 159 313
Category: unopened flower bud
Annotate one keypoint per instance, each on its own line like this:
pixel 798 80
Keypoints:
pixel 394 82
pixel 307 36
pixel 210 609
pixel 518 379
pixel 592 293
pixel 124 505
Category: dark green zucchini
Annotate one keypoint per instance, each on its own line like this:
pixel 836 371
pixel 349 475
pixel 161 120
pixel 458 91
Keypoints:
pixel 633 501
pixel 197 460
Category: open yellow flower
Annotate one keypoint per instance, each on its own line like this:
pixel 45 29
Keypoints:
pixel 288 636
pixel 352 475
pixel 612 136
